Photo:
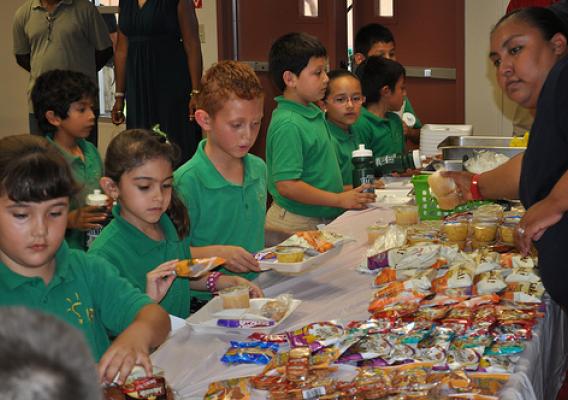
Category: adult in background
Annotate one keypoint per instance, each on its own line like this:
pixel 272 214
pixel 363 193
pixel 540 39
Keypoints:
pixel 158 69
pixel 528 49
pixel 60 34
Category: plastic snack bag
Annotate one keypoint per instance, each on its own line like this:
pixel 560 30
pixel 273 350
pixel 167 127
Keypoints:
pixel 231 389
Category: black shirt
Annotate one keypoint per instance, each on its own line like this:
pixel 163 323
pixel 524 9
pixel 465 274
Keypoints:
pixel 544 163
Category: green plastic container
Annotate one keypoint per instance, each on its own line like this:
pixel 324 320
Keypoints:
pixel 428 206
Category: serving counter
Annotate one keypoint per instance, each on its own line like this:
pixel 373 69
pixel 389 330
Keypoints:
pixel 336 291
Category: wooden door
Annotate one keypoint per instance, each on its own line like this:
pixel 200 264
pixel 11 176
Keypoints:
pixel 260 22
pixel 427 34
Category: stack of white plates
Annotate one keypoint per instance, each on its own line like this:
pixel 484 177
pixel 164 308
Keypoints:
pixel 432 134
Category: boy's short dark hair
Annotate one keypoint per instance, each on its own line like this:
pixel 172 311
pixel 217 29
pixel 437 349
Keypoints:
pixel 292 52
pixel 225 80
pixel 376 72
pixel 370 34
pixel 55 91
pixel 44 358
pixel 33 170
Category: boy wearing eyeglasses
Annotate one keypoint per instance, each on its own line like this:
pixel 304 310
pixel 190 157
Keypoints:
pixel 342 104
pixel 304 178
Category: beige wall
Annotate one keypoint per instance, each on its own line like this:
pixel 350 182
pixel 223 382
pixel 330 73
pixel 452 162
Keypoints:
pixel 484 101
pixel 486 107
pixel 13 79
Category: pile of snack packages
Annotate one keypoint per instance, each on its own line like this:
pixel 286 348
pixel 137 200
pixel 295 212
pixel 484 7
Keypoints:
pixel 444 323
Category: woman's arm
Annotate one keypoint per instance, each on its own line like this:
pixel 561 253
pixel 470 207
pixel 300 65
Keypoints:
pixel 499 183
pixel 120 76
pixel 543 214
pixel 189 28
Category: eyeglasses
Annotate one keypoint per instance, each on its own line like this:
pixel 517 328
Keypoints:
pixel 342 100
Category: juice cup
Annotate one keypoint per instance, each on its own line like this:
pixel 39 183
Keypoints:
pixel 235 297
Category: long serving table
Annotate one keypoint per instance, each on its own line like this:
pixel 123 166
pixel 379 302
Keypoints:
pixel 336 291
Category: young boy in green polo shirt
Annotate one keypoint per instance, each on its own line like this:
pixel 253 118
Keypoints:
pixel 379 126
pixel 223 186
pixel 38 270
pixel 304 178
pixel 64 105
pixel 377 40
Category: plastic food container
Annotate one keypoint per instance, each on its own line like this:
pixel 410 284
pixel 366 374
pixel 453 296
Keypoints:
pixel 289 254
pixel 375 231
pixel 406 215
pixel 491 210
pixel 484 231
pixel 235 297
pixel 456 231
pixel 507 232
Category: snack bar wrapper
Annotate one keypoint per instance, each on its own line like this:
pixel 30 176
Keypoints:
pixel 415 257
pixel 237 388
pixel 377 255
pixel 250 353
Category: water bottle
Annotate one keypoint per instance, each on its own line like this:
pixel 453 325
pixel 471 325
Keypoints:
pixel 398 162
pixel 363 168
pixel 96 199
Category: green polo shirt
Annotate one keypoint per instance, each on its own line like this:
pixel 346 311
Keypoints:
pixel 299 147
pixel 382 135
pixel 87 173
pixel 345 142
pixel 221 212
pixel 408 108
pixel 135 254
pixel 68 42
pixel 85 291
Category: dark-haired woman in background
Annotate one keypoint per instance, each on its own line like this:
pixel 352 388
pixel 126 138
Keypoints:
pixel 158 68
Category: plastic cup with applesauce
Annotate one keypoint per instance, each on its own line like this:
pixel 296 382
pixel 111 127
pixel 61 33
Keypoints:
pixel 289 254
pixel 235 297
pixel 507 233
pixel 484 231
pixel 456 231
pixel 375 231
pixel 406 215
pixel 491 210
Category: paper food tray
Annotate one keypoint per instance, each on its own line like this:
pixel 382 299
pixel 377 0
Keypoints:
pixel 299 267
pixel 205 320
pixel 392 196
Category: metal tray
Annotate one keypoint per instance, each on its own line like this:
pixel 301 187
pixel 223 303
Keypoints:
pixel 464 147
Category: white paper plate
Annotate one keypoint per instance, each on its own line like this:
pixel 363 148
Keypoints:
pixel 205 320
pixel 300 267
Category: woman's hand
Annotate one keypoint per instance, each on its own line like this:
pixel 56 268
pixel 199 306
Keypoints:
pixel 227 281
pixel 117 113
pixel 192 107
pixel 85 218
pixel 238 259
pixel 535 222
pixel 463 182
pixel 160 279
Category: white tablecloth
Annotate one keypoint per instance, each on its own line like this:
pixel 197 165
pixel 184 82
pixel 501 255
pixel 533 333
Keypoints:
pixel 336 291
